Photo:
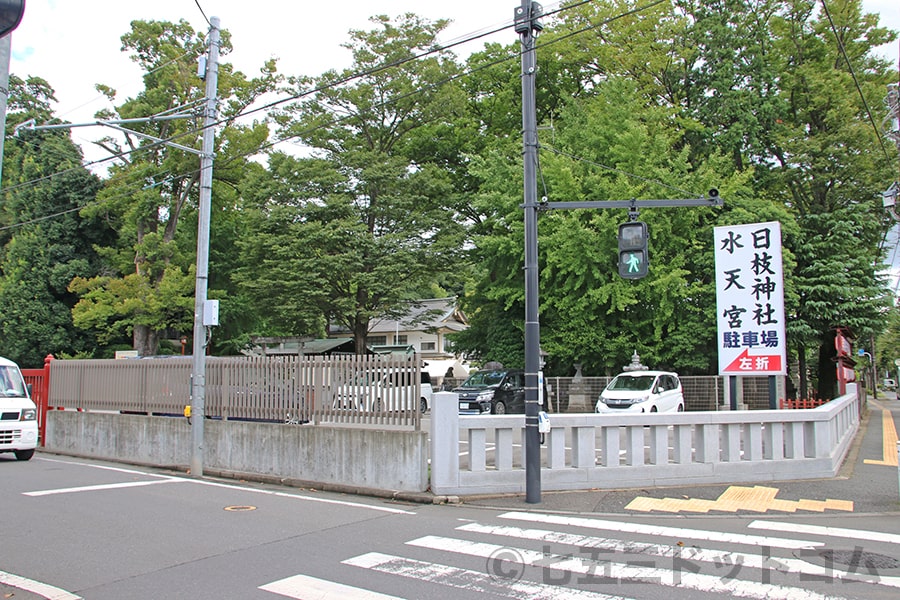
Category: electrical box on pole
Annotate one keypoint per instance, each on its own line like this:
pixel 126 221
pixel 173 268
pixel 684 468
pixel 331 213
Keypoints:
pixel 633 256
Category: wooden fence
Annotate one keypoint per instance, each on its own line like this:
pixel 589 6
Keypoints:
pixel 365 390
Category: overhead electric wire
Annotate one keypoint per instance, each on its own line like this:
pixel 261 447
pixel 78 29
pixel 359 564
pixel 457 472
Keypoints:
pixel 333 84
pixel 862 97
pixel 358 75
pixel 197 2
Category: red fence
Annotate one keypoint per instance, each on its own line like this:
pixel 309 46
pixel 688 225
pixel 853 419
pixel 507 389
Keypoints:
pixel 801 402
pixel 39 379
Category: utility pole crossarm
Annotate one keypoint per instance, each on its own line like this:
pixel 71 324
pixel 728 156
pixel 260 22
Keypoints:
pixel 152 138
pixel 31 125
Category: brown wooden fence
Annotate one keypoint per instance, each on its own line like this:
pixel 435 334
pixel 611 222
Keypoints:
pixel 366 390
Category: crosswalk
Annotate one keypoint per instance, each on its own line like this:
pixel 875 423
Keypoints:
pixel 561 557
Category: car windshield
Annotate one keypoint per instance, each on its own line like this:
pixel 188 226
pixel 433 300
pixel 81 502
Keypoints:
pixel 632 383
pixel 11 384
pixel 481 379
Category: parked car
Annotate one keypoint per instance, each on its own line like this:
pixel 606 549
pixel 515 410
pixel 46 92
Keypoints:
pixel 497 391
pixel 642 392
pixel 379 391
pixel 889 385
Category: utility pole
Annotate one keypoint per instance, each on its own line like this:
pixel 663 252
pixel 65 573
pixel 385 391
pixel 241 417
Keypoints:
pixel 527 25
pixel 11 12
pixel 205 312
pixel 198 372
pixel 5 52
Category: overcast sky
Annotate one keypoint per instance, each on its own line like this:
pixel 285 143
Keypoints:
pixel 74 44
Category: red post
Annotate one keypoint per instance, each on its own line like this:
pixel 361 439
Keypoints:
pixel 44 400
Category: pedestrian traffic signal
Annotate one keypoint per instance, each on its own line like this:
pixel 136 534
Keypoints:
pixel 633 257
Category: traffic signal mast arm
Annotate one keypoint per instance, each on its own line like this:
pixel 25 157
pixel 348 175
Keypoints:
pixel 633 239
pixel 712 200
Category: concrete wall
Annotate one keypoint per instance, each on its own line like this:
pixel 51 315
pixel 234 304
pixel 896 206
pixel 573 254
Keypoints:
pixel 354 457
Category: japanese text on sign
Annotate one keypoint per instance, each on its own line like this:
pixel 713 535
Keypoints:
pixel 750 299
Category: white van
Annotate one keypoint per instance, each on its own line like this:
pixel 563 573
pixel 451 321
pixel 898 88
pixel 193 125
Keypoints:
pixel 18 414
pixel 642 392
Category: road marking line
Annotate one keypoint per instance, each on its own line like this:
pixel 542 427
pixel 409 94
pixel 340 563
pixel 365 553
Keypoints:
pixel 303 586
pixel 105 486
pixel 498 583
pixel 889 441
pixel 854 534
pixel 36 587
pixel 169 478
pixel 396 511
pixel 735 498
pixel 677 533
pixel 637 572
pixel 762 561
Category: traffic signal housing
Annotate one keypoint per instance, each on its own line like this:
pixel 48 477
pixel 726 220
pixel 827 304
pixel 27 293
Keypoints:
pixel 633 256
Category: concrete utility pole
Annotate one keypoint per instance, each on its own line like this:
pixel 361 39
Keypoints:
pixel 5 51
pixel 201 321
pixel 527 25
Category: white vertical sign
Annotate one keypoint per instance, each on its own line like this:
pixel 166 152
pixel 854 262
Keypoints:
pixel 750 300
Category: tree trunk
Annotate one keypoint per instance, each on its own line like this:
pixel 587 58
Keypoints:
pixel 146 340
pixel 360 329
pixel 827 370
pixel 802 367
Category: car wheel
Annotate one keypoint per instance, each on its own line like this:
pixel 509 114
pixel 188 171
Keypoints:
pixel 500 408
pixel 379 406
pixel 24 454
pixel 423 405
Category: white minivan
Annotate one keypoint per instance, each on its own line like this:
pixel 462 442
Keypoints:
pixel 642 392
pixel 18 414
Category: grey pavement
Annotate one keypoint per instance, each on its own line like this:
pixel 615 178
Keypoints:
pixel 872 488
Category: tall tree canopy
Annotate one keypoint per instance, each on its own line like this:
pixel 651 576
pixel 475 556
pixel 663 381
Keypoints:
pixel 756 99
pixel 44 242
pixel 365 224
pixel 154 186
pixel 408 183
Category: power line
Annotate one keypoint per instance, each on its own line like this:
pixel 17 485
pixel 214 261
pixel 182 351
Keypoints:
pixel 197 2
pixel 329 85
pixel 843 52
pixel 333 84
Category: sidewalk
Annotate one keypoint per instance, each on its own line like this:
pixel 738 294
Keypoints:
pixel 871 487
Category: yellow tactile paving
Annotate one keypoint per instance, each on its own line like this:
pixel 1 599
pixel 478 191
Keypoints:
pixel 889 441
pixel 735 498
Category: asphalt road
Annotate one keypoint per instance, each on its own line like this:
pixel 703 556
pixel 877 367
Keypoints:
pixel 102 531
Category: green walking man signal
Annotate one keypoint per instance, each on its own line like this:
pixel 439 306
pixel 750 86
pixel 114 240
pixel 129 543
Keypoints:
pixel 633 256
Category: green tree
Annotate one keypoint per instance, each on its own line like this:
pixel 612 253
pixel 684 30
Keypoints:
pixel 829 166
pixel 154 188
pixel 366 224
pixel 45 242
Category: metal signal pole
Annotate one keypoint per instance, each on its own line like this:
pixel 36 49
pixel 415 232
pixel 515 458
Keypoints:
pixel 198 372
pixel 526 25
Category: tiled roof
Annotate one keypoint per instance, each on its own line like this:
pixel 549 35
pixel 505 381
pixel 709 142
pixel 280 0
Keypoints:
pixel 423 315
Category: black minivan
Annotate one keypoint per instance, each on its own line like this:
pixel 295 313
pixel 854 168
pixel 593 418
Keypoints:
pixel 498 391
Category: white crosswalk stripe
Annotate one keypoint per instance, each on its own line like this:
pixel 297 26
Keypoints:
pixel 561 557
pixel 474 581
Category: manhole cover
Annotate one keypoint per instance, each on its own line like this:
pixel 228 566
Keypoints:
pixel 239 508
pixel 858 558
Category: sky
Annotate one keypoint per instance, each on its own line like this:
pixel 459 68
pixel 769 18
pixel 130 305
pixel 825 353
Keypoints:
pixel 74 44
